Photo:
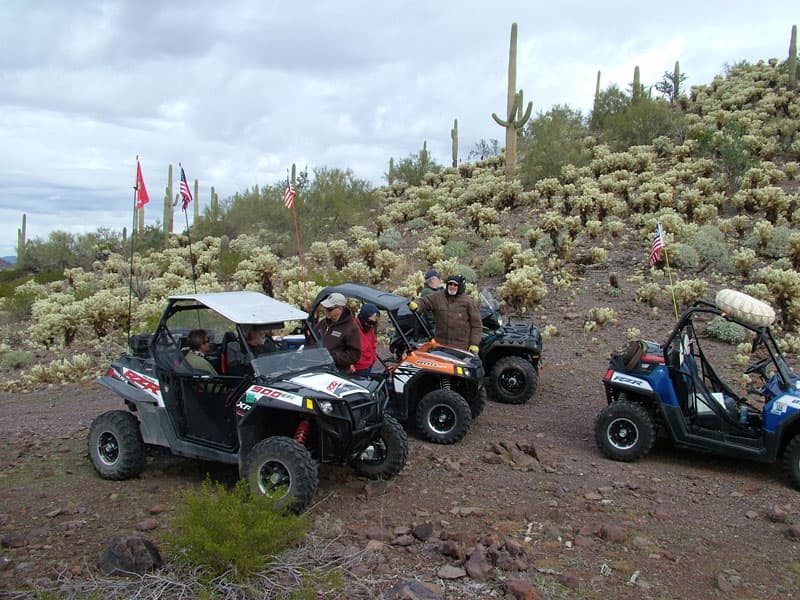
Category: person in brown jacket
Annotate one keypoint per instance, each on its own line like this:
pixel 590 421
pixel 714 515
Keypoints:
pixel 458 320
pixel 339 333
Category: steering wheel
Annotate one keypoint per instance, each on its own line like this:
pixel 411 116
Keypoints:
pixel 759 367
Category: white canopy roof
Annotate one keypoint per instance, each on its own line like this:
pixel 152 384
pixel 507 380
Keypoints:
pixel 246 308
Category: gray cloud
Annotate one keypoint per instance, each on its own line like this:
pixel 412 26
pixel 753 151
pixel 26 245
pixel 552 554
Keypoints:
pixel 240 90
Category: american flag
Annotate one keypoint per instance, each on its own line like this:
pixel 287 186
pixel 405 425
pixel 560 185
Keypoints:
pixel 141 191
pixel 186 193
pixel 658 245
pixel 288 195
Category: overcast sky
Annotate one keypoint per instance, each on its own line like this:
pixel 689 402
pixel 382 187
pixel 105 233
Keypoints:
pixel 239 90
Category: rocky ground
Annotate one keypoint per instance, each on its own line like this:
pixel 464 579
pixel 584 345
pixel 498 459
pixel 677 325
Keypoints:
pixel 524 507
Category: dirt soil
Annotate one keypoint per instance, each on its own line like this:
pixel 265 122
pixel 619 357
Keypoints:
pixel 673 525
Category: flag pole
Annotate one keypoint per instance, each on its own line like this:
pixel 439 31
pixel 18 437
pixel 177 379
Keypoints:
pixel 184 190
pixel 133 238
pixel 669 272
pixel 297 237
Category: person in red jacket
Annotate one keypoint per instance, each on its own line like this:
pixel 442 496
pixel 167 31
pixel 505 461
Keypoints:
pixel 339 333
pixel 367 323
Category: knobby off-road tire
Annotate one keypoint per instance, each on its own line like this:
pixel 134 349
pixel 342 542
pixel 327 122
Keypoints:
pixel 624 431
pixel 791 460
pixel 478 404
pixel 512 380
pixel 282 467
pixel 386 456
pixel 115 445
pixel 443 416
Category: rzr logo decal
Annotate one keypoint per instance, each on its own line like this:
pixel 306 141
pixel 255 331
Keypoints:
pixel 242 408
pixel 632 381
pixel 148 384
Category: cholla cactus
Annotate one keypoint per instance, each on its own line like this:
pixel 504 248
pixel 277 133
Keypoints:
pixel 687 291
pixel 339 253
pixel 648 293
pixel 523 288
pixel 743 260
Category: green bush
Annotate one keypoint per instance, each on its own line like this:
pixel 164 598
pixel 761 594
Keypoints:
pixel 492 266
pixel 390 239
pixel 456 248
pixel 233 530
pixel 16 359
pixel 727 331
pixel 709 243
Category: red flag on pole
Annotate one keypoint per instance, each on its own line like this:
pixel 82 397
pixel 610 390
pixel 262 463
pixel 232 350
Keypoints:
pixel 141 191
pixel 186 194
pixel 288 195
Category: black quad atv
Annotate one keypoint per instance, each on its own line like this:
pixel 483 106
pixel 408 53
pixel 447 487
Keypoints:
pixel 675 389
pixel 439 388
pixel 277 421
pixel 511 355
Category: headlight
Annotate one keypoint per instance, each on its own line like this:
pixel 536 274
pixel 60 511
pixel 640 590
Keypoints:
pixel 326 406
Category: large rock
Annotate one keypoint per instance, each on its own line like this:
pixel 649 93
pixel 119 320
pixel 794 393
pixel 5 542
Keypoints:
pixel 128 555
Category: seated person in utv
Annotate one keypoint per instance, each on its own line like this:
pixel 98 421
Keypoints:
pixel 258 342
pixel 197 341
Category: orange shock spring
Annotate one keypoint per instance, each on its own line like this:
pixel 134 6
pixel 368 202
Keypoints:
pixel 302 431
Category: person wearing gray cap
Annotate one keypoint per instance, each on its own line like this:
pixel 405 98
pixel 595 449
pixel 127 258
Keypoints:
pixel 339 332
pixel 433 283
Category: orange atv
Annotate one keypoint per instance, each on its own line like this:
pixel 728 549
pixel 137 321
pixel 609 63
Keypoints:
pixel 438 388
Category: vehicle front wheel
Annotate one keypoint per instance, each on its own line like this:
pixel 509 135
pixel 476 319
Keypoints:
pixel 512 380
pixel 791 460
pixel 115 445
pixel 386 455
pixel 282 468
pixel 624 431
pixel 443 416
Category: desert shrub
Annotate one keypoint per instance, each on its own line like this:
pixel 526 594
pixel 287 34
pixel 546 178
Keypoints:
pixel 468 272
pixel 456 248
pixel 390 239
pixel 418 223
pixel 16 359
pixel 727 331
pixel 522 288
pixel 682 256
pixel 709 243
pixel 492 266
pixel 237 530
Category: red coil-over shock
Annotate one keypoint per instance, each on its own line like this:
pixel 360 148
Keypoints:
pixel 302 432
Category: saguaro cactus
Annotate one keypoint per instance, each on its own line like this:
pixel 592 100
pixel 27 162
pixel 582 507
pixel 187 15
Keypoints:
pixel 214 205
pixel 196 202
pixel 792 62
pixel 596 91
pixel 676 76
pixel 168 206
pixel 636 92
pixel 454 137
pixel 21 243
pixel 515 118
